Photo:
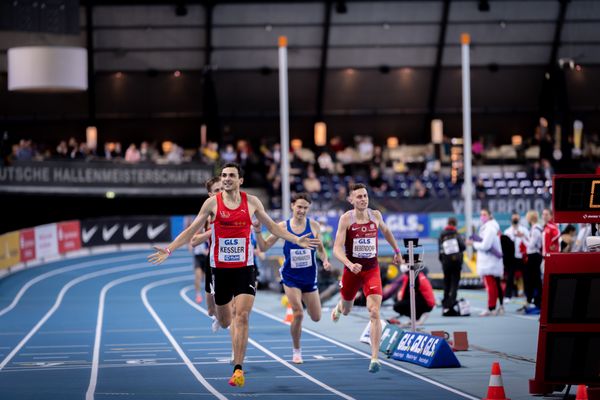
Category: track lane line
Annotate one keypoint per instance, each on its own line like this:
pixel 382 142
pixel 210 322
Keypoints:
pixel 366 355
pixel 89 395
pixel 183 294
pixel 184 357
pixel 59 300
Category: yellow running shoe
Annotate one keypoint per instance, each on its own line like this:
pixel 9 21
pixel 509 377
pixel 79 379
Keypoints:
pixel 237 379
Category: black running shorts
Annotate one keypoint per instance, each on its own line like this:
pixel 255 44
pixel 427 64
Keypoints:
pixel 230 282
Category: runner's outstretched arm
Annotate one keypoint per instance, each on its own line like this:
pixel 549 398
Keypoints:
pixel 279 231
pixel 264 244
pixel 186 235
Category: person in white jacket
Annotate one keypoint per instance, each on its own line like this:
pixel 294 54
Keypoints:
pixel 489 260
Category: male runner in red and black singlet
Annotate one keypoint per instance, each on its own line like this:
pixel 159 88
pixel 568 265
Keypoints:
pixel 356 247
pixel 231 254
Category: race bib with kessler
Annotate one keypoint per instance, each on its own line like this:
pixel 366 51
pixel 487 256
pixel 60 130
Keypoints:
pixel 364 247
pixel 232 249
pixel 300 258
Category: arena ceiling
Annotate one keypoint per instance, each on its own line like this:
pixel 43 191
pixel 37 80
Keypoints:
pixel 138 35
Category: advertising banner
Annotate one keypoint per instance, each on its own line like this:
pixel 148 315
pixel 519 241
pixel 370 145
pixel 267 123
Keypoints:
pixel 68 236
pixel 108 231
pixel 9 249
pixel 425 350
pixel 46 241
pixel 97 176
pixel 27 244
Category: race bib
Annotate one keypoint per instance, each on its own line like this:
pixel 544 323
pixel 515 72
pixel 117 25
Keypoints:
pixel 450 246
pixel 364 247
pixel 300 258
pixel 232 249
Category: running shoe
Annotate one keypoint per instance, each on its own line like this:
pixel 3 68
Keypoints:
pixel 501 310
pixel 335 314
pixel 297 358
pixel 488 313
pixel 237 379
pixel 215 326
pixel 374 366
pixel 198 298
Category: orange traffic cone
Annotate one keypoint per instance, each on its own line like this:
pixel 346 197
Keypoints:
pixel 581 393
pixel 289 314
pixel 496 388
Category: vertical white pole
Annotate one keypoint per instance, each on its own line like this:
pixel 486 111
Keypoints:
pixel 465 40
pixel 284 128
pixel 411 281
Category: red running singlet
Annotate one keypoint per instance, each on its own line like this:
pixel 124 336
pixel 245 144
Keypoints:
pixel 230 240
pixel 361 241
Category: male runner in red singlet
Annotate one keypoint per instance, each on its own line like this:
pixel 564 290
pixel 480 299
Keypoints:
pixel 231 254
pixel 356 247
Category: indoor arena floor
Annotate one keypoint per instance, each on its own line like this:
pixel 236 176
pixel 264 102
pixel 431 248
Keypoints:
pixel 111 326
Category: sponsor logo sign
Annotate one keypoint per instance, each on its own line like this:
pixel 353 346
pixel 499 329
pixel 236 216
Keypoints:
pixel 109 231
pixel 9 249
pixel 46 241
pixel 27 244
pixel 68 236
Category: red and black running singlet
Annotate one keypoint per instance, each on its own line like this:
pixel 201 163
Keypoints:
pixel 361 241
pixel 230 240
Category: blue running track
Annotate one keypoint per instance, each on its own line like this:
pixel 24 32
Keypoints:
pixel 112 326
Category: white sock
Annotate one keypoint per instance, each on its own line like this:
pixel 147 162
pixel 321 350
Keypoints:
pixel 297 351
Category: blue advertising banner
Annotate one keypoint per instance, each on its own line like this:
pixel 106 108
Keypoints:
pixel 425 350
pixel 402 225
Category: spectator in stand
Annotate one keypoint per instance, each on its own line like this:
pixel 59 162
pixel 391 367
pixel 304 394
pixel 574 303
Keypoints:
pixel 325 163
pixel 311 183
pixel 567 239
pixel 228 154
pixel 73 145
pixel 25 151
pixel 132 155
pixel 546 146
pixel 175 156
pixel 364 148
pixel 550 235
pixel 118 151
pixel 62 150
pixel 451 249
pixel 419 190
pixel 535 171
pixel 148 152
pixel 480 189
pixel 274 191
pixel 336 144
pixel 108 150
pixel 547 170
pixel 489 260
pixel 477 149
pixel 376 182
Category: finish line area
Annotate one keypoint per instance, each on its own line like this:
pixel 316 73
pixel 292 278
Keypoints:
pixel 112 326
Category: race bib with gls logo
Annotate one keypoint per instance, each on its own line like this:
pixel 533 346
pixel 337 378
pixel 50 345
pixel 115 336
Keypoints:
pixel 300 258
pixel 364 247
pixel 232 249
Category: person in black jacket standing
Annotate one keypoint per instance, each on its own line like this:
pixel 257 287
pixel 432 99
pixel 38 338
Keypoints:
pixel 451 248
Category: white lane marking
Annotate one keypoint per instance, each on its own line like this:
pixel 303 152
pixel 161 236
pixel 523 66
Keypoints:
pixel 66 346
pixel 136 344
pixel 58 302
pixel 59 271
pixel 274 356
pixel 49 354
pixel 138 351
pixel 100 320
pixel 184 357
pixel 362 353
pixel 47 358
